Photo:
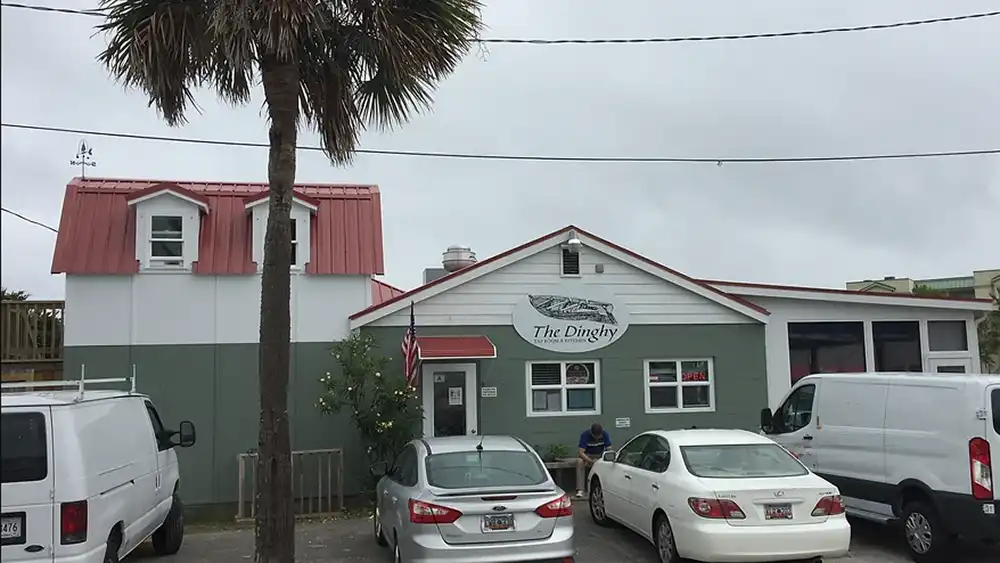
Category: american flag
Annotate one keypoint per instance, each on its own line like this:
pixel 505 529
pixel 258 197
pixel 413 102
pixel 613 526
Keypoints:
pixel 410 351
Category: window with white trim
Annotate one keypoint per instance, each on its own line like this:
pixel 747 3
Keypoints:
pixel 166 241
pixel 295 244
pixel 682 385
pixel 564 388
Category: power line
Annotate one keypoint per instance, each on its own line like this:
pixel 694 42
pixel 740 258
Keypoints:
pixel 517 157
pixel 29 220
pixel 623 41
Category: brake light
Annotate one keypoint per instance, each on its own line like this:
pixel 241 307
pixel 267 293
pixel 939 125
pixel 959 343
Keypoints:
pixel 73 522
pixel 716 508
pixel 426 513
pixel 980 469
pixel 562 506
pixel 829 506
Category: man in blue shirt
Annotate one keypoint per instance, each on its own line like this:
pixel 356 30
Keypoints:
pixel 593 443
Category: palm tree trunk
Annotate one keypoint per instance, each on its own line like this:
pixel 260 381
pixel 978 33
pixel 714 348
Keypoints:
pixel 275 516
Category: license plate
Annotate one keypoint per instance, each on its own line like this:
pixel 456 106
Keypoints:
pixel 498 522
pixel 777 512
pixel 12 528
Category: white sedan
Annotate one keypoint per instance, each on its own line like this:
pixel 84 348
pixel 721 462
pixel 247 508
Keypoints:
pixel 719 496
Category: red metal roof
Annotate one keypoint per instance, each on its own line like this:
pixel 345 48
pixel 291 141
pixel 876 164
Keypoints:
pixel 634 255
pixel 168 187
pixel 296 194
pixel 455 347
pixel 97 228
pixel 382 291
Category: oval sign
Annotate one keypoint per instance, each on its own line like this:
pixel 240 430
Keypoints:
pixel 570 318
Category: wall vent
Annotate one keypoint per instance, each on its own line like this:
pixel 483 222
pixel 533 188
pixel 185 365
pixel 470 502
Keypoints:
pixel 570 262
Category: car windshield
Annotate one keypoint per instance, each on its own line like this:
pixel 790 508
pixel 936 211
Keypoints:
pixel 460 470
pixel 22 447
pixel 740 461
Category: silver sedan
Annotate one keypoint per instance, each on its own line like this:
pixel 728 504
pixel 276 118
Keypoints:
pixel 475 499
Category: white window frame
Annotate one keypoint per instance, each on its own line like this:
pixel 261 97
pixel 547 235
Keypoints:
pixel 294 226
pixel 563 387
pixel 679 385
pixel 164 261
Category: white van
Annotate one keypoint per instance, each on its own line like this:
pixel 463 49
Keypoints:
pixel 907 447
pixel 87 475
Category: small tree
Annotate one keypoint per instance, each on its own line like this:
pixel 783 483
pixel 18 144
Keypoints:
pixel 989 337
pixel 383 408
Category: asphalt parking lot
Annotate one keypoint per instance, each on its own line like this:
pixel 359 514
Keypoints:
pixel 345 541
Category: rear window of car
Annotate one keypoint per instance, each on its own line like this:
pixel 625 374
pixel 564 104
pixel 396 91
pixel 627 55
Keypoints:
pixel 995 407
pixel 23 451
pixel 461 470
pixel 741 461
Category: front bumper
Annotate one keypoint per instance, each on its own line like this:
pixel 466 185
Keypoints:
pixel 718 542
pixel 429 547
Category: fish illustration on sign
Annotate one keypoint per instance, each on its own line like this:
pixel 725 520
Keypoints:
pixel 573 308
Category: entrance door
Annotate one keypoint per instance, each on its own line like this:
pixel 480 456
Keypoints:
pixel 449 400
pixel 951 365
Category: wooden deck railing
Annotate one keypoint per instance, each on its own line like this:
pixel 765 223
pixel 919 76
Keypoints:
pixel 31 331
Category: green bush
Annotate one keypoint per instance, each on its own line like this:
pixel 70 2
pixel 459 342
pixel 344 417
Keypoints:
pixel 384 409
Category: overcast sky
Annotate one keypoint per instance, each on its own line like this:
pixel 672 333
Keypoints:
pixel 926 88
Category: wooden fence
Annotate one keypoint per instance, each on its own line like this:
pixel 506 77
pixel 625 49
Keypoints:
pixel 317 483
pixel 31 332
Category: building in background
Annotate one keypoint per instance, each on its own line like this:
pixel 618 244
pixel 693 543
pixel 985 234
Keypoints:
pixel 982 284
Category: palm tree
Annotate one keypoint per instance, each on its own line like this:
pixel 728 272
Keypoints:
pixel 336 65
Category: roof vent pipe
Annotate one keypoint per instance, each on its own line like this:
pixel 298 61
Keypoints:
pixel 457 257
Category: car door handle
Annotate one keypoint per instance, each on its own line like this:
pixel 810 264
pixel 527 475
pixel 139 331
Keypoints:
pixel 807 437
pixel 629 477
pixel 655 486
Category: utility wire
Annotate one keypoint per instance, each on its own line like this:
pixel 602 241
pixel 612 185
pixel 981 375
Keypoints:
pixel 688 39
pixel 29 220
pixel 515 157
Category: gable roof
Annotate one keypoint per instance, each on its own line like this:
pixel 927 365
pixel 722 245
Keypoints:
pixel 310 203
pixel 168 188
pixel 97 227
pixel 851 296
pixel 878 286
pixel 544 242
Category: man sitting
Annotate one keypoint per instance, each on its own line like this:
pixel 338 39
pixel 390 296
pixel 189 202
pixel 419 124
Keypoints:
pixel 593 443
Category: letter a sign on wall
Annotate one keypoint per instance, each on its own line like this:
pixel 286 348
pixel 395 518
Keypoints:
pixel 570 318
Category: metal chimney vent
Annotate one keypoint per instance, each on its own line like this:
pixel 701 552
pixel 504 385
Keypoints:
pixel 457 257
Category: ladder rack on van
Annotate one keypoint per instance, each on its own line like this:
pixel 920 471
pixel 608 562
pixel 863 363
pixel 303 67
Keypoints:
pixel 80 384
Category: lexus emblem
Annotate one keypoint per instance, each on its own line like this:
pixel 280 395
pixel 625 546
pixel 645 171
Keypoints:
pixel 499 508
pixel 779 493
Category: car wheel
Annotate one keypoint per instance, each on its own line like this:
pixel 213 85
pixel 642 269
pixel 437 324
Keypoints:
pixel 925 537
pixel 167 539
pixel 663 538
pixel 598 511
pixel 377 529
pixel 111 551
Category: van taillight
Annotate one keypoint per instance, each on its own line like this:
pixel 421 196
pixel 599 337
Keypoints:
pixel 980 469
pixel 73 522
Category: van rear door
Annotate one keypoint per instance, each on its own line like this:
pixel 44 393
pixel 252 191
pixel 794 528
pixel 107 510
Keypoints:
pixel 993 431
pixel 28 480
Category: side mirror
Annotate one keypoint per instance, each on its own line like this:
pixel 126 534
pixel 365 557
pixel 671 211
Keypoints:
pixel 609 456
pixel 766 420
pixel 379 468
pixel 186 436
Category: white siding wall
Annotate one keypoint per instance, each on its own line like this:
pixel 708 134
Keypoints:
pixel 489 300
pixel 180 308
pixel 785 310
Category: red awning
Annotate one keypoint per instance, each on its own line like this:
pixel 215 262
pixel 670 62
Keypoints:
pixel 455 348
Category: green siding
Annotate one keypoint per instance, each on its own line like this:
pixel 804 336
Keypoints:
pixel 215 387
pixel 738 351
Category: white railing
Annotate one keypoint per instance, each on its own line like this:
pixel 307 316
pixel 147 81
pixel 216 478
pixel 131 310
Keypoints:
pixel 317 483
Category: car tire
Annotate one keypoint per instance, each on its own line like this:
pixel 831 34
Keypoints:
pixel 663 539
pixel 167 539
pixel 377 529
pixel 598 510
pixel 111 551
pixel 924 534
pixel 397 555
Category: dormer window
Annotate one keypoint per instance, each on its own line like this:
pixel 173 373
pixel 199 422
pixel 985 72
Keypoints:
pixel 295 246
pixel 570 262
pixel 166 241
